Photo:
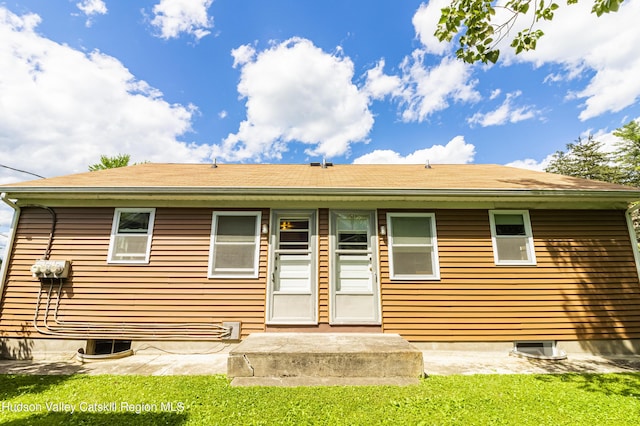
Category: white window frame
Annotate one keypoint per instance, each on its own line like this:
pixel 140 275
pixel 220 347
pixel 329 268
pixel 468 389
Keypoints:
pixel 114 234
pixel 227 272
pixel 435 259
pixel 531 252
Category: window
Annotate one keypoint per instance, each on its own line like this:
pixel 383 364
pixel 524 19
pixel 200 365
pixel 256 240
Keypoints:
pixel 352 231
pixel 294 235
pixel 512 238
pixel 235 245
pixel 413 248
pixel 131 235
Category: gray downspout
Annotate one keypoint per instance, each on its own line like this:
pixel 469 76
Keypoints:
pixel 632 235
pixel 12 237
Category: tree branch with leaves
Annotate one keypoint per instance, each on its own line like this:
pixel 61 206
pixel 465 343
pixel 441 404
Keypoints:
pixel 480 36
pixel 106 162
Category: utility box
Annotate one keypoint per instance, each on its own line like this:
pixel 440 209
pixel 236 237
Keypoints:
pixel 50 268
pixel 234 327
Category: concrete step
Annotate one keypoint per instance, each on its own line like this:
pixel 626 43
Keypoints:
pixel 324 381
pixel 298 359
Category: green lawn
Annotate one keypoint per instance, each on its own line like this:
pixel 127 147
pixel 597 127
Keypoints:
pixel 570 399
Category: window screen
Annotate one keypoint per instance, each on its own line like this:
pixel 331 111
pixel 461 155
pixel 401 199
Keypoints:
pixel 352 232
pixel 131 235
pixel 512 239
pixel 412 246
pixel 235 244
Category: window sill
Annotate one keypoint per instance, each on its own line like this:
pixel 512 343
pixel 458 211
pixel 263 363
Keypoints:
pixel 233 277
pixel 516 264
pixel 415 278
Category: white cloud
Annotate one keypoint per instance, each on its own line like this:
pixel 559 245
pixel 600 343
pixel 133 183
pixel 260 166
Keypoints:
pixel 456 151
pixel 505 113
pixel 295 92
pixel 63 108
pixel 173 17
pixel 422 89
pixel 91 8
pixel 425 22
pixel 243 54
pixel 531 164
pixel 578 40
pixel 378 84
pixel 431 89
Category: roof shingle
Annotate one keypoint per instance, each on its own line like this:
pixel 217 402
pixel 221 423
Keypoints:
pixel 351 176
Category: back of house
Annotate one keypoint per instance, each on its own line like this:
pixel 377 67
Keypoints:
pixel 447 256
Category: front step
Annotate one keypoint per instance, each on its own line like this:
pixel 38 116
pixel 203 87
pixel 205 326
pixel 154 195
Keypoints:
pixel 302 359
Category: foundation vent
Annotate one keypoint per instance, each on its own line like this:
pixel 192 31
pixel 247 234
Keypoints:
pixel 540 349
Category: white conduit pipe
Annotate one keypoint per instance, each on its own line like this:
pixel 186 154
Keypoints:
pixel 112 331
pixel 121 330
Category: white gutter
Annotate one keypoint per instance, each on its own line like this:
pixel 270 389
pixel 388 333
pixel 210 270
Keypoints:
pixel 12 237
pixel 632 235
pixel 289 190
pixel 299 193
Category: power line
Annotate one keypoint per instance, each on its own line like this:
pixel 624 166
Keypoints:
pixel 21 171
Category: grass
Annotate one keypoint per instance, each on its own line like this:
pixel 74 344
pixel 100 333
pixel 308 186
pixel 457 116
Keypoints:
pixel 569 399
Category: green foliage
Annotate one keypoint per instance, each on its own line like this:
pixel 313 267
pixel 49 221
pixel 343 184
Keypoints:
pixel 563 399
pixel 106 162
pixel 628 153
pixel 584 159
pixel 479 36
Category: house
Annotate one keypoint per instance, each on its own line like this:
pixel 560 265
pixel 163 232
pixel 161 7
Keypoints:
pixel 444 255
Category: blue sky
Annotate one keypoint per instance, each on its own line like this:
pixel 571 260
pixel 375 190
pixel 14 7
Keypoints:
pixel 296 81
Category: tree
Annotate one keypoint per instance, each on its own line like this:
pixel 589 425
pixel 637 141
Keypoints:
pixel 627 154
pixel 479 36
pixel 120 160
pixel 584 159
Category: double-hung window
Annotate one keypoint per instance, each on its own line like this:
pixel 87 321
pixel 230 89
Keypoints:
pixel 512 237
pixel 413 247
pixel 131 235
pixel 235 245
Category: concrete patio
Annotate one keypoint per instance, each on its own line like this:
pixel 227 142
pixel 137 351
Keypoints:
pixel 436 362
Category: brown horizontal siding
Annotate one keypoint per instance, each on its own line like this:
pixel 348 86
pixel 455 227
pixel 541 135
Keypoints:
pixel 584 286
pixel 323 266
pixel 172 288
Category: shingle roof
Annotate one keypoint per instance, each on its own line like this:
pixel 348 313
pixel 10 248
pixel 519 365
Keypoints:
pixel 300 176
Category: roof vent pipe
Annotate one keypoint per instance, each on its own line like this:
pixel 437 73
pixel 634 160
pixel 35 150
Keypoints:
pixel 215 163
pixel 326 164
pixel 427 165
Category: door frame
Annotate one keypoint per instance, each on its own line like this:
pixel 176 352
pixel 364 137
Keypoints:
pixel 375 267
pixel 274 223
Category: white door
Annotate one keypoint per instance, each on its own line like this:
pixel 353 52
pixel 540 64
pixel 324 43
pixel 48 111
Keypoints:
pixel 354 283
pixel 292 287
